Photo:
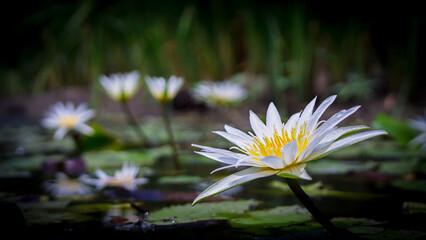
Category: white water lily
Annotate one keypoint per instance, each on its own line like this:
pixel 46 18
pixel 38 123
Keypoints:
pixel 66 117
pixel 282 148
pixel 65 186
pixel 121 86
pixel 419 124
pixel 164 90
pixel 125 178
pixel 220 93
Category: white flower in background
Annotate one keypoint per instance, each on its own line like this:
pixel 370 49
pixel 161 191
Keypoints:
pixel 126 178
pixel 121 86
pixel 282 148
pixel 220 93
pixel 65 186
pixel 419 125
pixel 162 90
pixel 66 117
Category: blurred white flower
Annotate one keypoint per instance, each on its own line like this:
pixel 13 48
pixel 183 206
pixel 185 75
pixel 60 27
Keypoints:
pixel 162 90
pixel 120 86
pixel 65 186
pixel 419 124
pixel 282 148
pixel 220 93
pixel 125 178
pixel 66 117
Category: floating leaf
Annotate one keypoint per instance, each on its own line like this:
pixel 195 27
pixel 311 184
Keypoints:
pixel 327 166
pixel 411 186
pixel 180 179
pixel 397 129
pixel 271 218
pixel 115 159
pixel 399 167
pixel 99 139
pixel 201 212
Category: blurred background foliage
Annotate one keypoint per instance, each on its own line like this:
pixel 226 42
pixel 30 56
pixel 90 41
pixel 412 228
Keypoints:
pixel 358 49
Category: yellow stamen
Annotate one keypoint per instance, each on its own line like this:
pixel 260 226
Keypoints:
pixel 68 121
pixel 272 145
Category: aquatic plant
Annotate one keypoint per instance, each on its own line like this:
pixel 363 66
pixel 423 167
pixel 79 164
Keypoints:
pixel 67 117
pixel 218 94
pixel 66 186
pixel 284 149
pixel 125 178
pixel 121 87
pixel 419 124
pixel 164 92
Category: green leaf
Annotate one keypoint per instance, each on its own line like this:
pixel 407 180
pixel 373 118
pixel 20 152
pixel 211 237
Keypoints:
pixel 397 129
pixel 411 186
pixel 200 212
pixel 181 179
pixel 99 139
pixel 327 166
pixel 271 218
pixel 399 167
pixel 115 159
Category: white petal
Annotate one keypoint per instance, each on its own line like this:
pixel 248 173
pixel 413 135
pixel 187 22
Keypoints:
pixel 232 138
pixel 238 133
pixel 219 157
pixel 289 152
pixel 273 119
pixel 257 125
pixel 84 129
pixel 344 143
pixel 297 171
pixel 318 113
pixel 334 120
pixel 233 180
pixel 291 122
pixel 307 112
pixel 273 162
pixel 60 133
pixel 338 132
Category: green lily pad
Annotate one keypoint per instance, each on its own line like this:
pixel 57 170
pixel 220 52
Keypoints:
pixel 28 163
pixel 99 139
pixel 114 159
pixel 272 218
pixel 201 212
pixel 181 179
pixel 319 189
pixel 397 129
pixel 411 186
pixel 327 166
pixel 399 167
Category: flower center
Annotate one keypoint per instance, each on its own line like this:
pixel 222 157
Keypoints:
pixel 69 185
pixel 120 181
pixel 68 121
pixel 272 145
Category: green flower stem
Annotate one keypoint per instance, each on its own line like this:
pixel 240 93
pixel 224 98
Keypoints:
pixel 316 213
pixel 132 121
pixel 171 137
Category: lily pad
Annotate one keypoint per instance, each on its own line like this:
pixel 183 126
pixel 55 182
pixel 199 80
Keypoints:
pixel 327 166
pixel 181 179
pixel 410 185
pixel 29 163
pixel 201 212
pixel 272 218
pixel 115 159
pixel 399 167
pixel 319 189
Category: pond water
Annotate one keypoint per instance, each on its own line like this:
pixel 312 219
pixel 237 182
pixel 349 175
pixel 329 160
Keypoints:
pixel 376 190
